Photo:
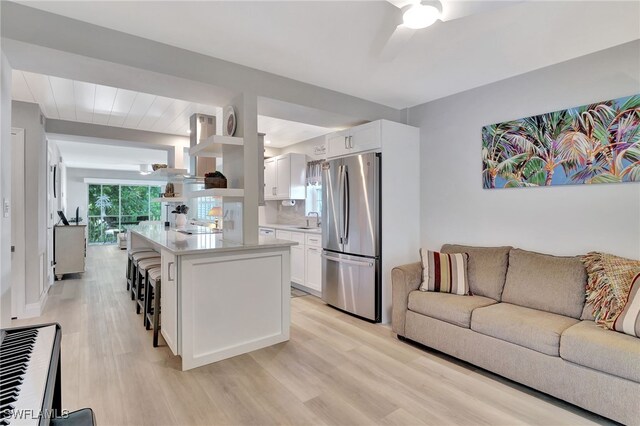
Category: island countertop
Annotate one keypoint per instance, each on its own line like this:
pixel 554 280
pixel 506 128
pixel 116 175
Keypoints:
pixel 180 243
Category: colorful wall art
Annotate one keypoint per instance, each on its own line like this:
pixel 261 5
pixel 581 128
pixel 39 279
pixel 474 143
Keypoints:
pixel 597 143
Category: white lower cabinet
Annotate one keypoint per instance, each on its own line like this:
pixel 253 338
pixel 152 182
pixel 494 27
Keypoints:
pixel 306 259
pixel 169 300
pixel 313 268
pixel 297 264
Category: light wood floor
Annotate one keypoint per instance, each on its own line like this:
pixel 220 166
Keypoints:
pixel 334 370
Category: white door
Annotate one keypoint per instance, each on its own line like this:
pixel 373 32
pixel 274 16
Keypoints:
pixel 365 137
pixel 270 179
pixel 17 224
pixel 336 144
pixel 283 177
pixel 313 261
pixel 52 212
pixel 297 264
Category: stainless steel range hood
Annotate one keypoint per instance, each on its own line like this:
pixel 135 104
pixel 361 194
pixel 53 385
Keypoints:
pixel 202 126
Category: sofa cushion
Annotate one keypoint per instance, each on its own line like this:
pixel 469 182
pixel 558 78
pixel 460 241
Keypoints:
pixel 629 319
pixel 486 269
pixel 533 329
pixel 591 346
pixel 444 273
pixel 451 308
pixel 547 283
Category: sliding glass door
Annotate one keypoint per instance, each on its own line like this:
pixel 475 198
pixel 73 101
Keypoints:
pixel 114 208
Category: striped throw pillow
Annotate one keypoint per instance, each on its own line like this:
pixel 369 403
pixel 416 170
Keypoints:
pixel 444 272
pixel 628 321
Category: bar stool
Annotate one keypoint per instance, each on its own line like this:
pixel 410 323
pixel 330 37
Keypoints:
pixel 152 312
pixel 135 258
pixel 138 289
pixel 129 273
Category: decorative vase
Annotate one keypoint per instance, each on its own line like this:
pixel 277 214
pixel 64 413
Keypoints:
pixel 181 220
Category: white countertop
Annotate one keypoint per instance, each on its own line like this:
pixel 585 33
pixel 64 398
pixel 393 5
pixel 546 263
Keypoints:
pixel 294 228
pixel 182 244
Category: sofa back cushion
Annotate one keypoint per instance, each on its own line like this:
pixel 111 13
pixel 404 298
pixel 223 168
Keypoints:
pixel 544 282
pixel 486 269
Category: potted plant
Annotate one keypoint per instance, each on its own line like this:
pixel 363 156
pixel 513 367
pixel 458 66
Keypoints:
pixel 181 215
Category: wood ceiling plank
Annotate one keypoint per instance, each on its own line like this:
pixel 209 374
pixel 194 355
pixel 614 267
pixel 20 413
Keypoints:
pixel 63 93
pixel 175 109
pixel 138 110
pixel 19 88
pixel 105 96
pixel 121 107
pixel 155 111
pixel 42 93
pixel 85 94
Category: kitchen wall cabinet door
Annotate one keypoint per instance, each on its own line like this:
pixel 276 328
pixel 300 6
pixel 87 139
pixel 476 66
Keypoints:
pixel 283 177
pixel 337 144
pixel 365 137
pixel 297 264
pixel 270 182
pixel 313 268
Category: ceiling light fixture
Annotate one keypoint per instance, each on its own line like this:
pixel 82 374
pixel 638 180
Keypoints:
pixel 419 16
pixel 267 142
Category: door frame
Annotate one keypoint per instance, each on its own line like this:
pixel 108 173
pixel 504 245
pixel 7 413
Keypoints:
pixel 18 238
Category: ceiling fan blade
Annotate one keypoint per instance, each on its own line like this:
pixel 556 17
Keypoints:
pixel 395 43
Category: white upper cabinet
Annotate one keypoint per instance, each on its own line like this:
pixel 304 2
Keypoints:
pixel 285 177
pixel 366 137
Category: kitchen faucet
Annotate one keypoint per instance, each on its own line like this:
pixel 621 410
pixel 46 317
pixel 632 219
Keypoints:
pixel 317 218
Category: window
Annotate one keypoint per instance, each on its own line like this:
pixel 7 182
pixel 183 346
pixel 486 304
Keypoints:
pixel 209 208
pixel 313 202
pixel 114 208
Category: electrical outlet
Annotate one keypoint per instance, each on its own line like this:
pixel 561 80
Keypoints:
pixel 5 207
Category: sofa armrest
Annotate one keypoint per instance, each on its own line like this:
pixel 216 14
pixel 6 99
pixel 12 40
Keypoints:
pixel 404 280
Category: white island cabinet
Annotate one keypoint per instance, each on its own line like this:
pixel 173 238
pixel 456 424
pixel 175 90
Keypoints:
pixel 219 299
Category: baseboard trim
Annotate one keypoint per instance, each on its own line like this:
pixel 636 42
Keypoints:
pixel 32 310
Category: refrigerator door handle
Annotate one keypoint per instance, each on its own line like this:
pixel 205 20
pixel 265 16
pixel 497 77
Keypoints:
pixel 348 262
pixel 347 203
pixel 341 201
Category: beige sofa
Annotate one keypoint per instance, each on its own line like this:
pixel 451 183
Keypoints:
pixel 525 321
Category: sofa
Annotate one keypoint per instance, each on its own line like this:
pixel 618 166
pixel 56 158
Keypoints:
pixel 526 320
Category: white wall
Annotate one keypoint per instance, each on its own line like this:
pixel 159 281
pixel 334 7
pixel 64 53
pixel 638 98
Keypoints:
pixel 5 191
pixel 562 220
pixel 29 117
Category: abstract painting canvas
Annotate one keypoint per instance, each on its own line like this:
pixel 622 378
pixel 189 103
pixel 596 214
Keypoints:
pixel 597 143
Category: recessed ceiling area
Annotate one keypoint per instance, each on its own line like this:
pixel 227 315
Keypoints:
pixel 85 102
pixel 87 155
pixel 336 44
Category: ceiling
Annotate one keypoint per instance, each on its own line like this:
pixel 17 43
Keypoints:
pixel 336 44
pixel 108 157
pixel 71 100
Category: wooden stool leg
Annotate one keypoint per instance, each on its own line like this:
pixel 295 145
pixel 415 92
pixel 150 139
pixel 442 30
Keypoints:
pixel 156 313
pixel 139 294
pixel 134 279
pixel 129 263
pixel 147 302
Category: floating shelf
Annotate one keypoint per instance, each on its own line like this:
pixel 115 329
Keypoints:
pixel 168 173
pixel 169 200
pixel 212 146
pixel 217 192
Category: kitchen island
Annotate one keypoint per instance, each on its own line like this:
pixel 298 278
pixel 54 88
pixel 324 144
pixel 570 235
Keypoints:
pixel 219 298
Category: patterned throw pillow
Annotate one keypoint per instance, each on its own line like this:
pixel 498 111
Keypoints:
pixel 608 285
pixel 629 319
pixel 444 272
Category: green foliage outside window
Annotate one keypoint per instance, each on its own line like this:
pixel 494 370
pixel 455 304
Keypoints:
pixel 114 208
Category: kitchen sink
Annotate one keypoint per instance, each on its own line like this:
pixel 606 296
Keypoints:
pixel 307 227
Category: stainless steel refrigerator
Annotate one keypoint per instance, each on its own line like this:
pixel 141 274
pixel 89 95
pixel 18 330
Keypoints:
pixel 351 272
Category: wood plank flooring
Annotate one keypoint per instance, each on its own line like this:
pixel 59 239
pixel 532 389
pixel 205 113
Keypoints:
pixel 335 370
